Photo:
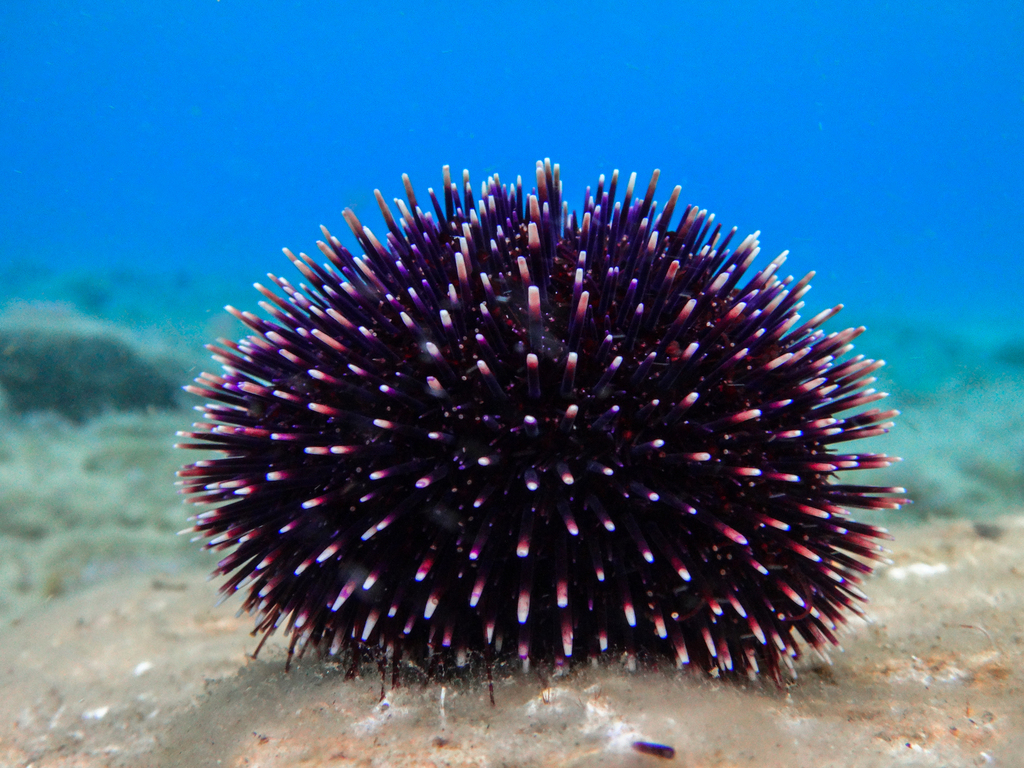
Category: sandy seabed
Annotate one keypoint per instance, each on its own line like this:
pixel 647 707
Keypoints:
pixel 144 671
pixel 128 665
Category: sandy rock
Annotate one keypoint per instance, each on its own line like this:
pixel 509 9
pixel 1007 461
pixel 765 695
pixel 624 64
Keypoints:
pixel 145 672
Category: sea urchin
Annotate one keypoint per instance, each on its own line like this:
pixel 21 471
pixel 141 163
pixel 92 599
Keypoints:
pixel 505 428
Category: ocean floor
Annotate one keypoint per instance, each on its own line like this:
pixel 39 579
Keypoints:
pixel 143 671
pixel 112 653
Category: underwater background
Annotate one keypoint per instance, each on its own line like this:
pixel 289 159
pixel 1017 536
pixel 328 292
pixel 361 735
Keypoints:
pixel 185 142
pixel 156 156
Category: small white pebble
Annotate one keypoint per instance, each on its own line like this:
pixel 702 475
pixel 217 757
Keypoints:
pixel 917 569
pixel 95 714
pixel 142 668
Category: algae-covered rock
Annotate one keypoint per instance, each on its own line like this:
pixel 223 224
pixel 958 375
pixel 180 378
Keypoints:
pixel 57 360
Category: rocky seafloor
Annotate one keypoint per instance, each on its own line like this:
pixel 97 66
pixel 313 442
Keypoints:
pixel 113 654
pixel 143 671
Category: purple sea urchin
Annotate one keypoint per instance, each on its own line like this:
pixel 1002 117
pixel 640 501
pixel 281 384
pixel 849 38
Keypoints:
pixel 506 427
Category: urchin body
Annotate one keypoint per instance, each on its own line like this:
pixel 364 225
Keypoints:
pixel 507 429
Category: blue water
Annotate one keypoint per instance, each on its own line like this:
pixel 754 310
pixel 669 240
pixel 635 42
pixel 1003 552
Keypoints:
pixel 883 143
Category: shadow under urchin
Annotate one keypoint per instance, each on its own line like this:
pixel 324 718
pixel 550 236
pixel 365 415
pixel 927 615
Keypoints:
pixel 505 429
